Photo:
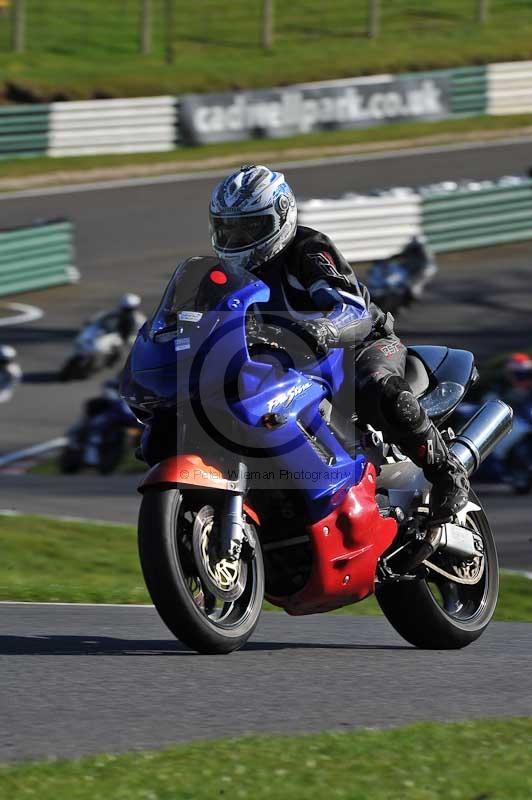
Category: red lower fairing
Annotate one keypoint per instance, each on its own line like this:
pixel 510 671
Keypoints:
pixel 346 547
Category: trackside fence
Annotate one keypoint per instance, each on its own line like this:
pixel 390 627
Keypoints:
pixel 136 125
pixel 365 227
pixel 24 130
pixel 37 257
pixel 449 216
pixel 510 88
pixel 479 214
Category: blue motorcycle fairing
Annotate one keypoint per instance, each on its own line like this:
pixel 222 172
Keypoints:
pixel 213 368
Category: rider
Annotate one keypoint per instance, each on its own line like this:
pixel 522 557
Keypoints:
pixel 10 372
pixel 130 319
pixel 518 379
pixel 253 217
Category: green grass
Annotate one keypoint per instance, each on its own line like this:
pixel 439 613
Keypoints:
pixel 485 760
pixel 50 560
pixel 82 49
pixel 303 146
pixel 53 560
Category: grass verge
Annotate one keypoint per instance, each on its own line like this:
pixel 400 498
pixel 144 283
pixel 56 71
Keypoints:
pixel 49 560
pixel 21 172
pixel 79 49
pixel 483 760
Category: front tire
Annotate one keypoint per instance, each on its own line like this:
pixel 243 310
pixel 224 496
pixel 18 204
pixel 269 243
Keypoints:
pixel 438 614
pixel 176 584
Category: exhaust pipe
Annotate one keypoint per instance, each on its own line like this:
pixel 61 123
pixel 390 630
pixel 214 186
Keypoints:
pixel 481 434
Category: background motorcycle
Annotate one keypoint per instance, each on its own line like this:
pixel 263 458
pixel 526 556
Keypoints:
pixel 10 372
pixel 275 492
pixel 511 460
pixel 98 345
pixel 397 281
pixel 101 438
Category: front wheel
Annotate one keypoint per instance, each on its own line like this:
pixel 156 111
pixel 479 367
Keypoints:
pixel 441 614
pixel 210 604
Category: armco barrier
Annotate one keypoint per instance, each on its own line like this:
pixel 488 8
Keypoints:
pixel 469 91
pixel 37 257
pixel 366 227
pixel 24 130
pixel 145 124
pixel 450 216
pixel 477 215
pixel 510 88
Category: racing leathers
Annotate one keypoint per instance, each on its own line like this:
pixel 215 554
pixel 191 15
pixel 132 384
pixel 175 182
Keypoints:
pixel 313 286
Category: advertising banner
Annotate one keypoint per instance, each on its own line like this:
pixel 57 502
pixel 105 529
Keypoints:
pixel 286 111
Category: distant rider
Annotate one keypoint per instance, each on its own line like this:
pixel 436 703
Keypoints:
pixel 10 372
pixel 517 390
pixel 129 317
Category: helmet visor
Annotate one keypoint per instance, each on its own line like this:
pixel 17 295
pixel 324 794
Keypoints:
pixel 238 233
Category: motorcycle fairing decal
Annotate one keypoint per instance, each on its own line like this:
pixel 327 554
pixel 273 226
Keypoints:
pixel 190 316
pixel 287 398
pixel 346 546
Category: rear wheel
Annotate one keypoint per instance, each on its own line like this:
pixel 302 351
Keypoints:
pixel 76 368
pixel 70 460
pixel 210 604
pixel 440 613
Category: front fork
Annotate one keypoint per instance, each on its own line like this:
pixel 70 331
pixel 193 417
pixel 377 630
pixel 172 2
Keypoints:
pixel 232 530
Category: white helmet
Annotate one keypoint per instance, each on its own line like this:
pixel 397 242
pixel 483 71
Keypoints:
pixel 129 301
pixel 253 216
pixel 7 354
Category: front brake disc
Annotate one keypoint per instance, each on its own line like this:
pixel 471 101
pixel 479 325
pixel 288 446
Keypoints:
pixel 224 578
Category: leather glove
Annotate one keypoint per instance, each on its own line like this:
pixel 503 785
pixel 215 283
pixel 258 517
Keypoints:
pixel 319 334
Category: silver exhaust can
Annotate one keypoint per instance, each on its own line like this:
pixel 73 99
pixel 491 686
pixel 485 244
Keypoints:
pixel 481 434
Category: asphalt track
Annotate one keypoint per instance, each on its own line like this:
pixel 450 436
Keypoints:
pixel 81 680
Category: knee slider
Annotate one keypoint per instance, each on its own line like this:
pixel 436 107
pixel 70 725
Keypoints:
pixel 400 407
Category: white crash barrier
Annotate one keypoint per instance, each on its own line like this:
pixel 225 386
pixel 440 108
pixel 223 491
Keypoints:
pixel 145 124
pixel 365 227
pixel 509 88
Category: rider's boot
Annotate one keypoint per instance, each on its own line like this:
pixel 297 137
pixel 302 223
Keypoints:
pixel 450 483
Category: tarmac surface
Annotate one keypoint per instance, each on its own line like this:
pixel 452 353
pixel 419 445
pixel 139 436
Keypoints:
pixel 80 680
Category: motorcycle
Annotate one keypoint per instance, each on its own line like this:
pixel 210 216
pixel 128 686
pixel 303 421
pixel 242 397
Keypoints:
pixel 100 439
pixel 98 345
pixel 397 281
pixel 510 461
pixel 10 373
pixel 272 489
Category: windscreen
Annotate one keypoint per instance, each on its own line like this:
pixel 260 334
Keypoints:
pixel 197 286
